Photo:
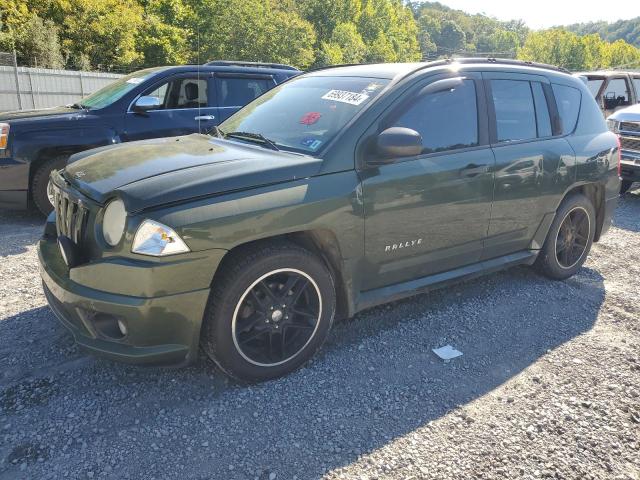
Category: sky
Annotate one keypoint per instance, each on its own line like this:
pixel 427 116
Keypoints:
pixel 547 13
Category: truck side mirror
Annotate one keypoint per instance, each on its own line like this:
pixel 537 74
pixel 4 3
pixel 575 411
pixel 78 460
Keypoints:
pixel 146 103
pixel 397 142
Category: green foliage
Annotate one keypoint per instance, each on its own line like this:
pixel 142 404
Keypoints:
pixel 627 30
pixel 566 49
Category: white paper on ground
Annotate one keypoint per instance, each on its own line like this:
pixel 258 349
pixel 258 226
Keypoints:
pixel 447 352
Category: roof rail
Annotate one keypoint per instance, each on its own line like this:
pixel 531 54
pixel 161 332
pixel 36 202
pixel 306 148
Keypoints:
pixel 505 61
pixel 234 63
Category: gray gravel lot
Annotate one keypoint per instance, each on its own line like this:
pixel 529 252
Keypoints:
pixel 549 386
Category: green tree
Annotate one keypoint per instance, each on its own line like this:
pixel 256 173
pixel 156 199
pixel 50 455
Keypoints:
pixel 556 47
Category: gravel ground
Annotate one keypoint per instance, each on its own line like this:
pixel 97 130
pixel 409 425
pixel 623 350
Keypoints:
pixel 549 386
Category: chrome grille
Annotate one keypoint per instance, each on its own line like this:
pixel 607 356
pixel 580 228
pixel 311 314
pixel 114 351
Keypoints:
pixel 71 215
pixel 630 127
pixel 630 143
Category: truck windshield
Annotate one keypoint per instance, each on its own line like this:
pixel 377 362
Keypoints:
pixel 116 90
pixel 304 114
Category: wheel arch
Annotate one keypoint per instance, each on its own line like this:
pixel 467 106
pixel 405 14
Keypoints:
pixel 321 242
pixel 595 192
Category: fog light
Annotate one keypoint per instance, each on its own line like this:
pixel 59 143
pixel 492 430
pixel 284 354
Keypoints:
pixel 122 327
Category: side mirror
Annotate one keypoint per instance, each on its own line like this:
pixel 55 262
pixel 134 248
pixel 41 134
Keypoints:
pixel 398 142
pixel 146 103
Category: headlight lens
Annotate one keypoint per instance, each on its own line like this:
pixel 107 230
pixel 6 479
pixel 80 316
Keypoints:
pixel 113 222
pixel 614 126
pixel 158 240
pixel 4 135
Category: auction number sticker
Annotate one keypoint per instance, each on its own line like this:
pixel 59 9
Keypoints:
pixel 352 98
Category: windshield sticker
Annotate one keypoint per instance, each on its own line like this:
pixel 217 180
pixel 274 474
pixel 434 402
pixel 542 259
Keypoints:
pixel 135 80
pixel 372 87
pixel 310 118
pixel 352 98
pixel 311 143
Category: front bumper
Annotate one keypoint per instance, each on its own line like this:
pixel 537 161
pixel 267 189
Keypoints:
pixel 630 165
pixel 161 329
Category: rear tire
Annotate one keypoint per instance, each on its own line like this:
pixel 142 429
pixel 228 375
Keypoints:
pixel 625 185
pixel 269 311
pixel 569 239
pixel 40 183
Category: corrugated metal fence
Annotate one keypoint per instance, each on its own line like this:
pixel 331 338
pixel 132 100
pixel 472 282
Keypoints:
pixel 42 88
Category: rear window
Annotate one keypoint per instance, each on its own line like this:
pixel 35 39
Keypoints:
pixel 568 101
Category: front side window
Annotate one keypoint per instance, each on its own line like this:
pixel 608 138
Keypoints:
pixel 616 94
pixel 181 93
pixel 306 113
pixel 237 92
pixel 568 102
pixel 446 120
pixel 515 111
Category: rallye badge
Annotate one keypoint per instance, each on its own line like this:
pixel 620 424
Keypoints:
pixel 398 246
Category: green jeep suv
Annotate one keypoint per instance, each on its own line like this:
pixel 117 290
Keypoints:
pixel 338 190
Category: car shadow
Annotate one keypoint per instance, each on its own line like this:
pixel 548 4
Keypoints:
pixel 19 230
pixel 375 380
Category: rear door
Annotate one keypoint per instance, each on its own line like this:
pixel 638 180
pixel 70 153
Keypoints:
pixel 235 90
pixel 430 213
pixel 533 162
pixel 187 105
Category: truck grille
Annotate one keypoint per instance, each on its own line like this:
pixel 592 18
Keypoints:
pixel 71 215
pixel 630 127
pixel 630 143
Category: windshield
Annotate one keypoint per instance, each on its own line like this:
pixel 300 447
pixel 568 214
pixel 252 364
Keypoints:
pixel 116 90
pixel 304 114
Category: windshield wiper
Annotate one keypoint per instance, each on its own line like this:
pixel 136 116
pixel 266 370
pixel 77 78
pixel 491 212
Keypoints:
pixel 253 136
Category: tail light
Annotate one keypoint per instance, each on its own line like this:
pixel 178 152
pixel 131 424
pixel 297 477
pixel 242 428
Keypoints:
pixel 619 156
pixel 4 135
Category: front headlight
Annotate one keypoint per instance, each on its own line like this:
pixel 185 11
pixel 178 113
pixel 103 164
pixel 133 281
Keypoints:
pixel 4 135
pixel 613 125
pixel 113 222
pixel 158 240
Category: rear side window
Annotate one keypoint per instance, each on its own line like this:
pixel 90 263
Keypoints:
pixel 515 111
pixel 568 101
pixel 636 83
pixel 543 120
pixel 594 85
pixel 446 120
pixel 237 92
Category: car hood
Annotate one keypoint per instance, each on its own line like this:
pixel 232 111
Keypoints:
pixel 35 114
pixel 628 114
pixel 156 172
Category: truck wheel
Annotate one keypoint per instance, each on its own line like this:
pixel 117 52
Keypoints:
pixel 40 190
pixel 269 311
pixel 625 185
pixel 569 239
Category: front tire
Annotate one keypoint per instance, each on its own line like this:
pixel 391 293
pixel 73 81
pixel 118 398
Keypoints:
pixel 269 312
pixel 40 184
pixel 569 239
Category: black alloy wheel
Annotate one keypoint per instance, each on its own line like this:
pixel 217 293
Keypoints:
pixel 573 237
pixel 276 317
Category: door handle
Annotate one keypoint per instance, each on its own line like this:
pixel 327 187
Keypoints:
pixel 472 170
pixel 205 117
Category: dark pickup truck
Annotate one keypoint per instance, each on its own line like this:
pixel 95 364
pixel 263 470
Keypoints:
pixel 151 103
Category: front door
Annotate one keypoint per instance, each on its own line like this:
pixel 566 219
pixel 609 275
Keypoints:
pixel 430 213
pixel 187 105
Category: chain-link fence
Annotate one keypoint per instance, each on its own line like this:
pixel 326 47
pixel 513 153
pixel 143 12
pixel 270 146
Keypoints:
pixel 24 88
